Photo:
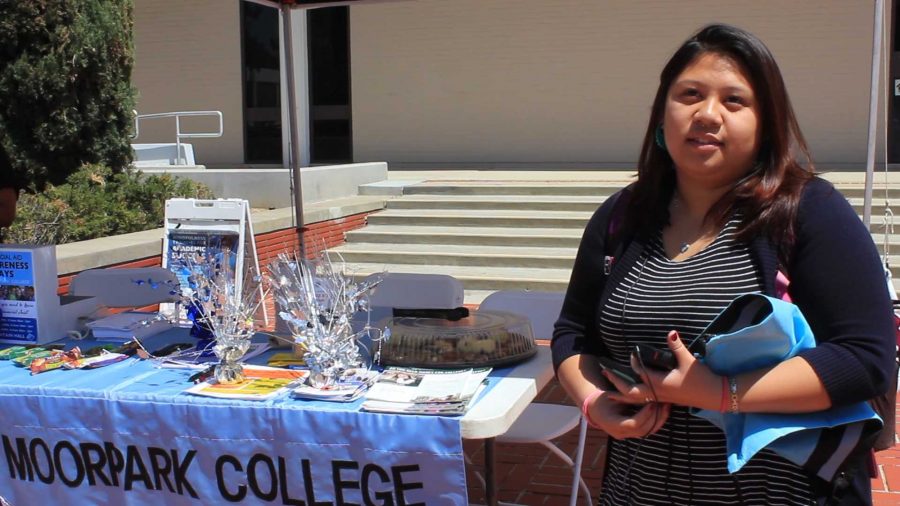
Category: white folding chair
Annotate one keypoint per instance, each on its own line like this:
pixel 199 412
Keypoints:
pixel 407 291
pixel 129 287
pixel 542 422
pixel 416 291
pixel 412 291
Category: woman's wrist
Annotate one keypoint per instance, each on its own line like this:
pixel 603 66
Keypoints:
pixel 586 407
pixel 723 404
pixel 729 402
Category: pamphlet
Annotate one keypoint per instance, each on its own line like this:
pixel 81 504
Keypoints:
pixel 425 391
pixel 261 383
pixel 18 308
pixel 190 248
pixel 352 386
pixel 123 327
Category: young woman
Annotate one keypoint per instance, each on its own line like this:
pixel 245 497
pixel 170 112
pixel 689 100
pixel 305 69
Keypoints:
pixel 720 205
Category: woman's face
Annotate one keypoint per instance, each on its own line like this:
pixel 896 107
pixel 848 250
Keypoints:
pixel 712 122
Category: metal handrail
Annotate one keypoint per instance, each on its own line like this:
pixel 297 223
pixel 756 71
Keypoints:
pixel 178 133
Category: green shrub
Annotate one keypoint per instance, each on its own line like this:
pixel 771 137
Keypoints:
pixel 65 83
pixel 94 202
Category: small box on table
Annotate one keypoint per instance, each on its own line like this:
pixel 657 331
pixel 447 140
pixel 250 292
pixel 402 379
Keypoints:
pixel 31 312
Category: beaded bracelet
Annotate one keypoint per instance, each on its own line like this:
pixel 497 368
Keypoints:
pixel 733 388
pixel 586 407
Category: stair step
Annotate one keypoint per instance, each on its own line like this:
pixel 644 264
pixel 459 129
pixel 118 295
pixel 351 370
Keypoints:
pixel 486 236
pixel 462 255
pixel 481 218
pixel 585 188
pixel 513 188
pixel 582 203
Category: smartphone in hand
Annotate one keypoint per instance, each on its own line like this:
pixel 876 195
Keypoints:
pixel 623 372
pixel 655 358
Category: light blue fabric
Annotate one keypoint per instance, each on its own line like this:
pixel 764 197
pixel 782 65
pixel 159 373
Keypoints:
pixel 132 404
pixel 781 335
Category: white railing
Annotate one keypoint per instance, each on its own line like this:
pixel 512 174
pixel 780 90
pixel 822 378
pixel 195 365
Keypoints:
pixel 179 160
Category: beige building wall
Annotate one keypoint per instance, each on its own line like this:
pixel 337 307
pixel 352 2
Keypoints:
pixel 570 82
pixel 188 57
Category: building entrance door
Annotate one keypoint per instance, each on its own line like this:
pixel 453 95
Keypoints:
pixel 331 137
pixel 262 84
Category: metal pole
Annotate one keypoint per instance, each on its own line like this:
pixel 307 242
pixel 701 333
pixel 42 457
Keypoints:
pixel 177 140
pixel 873 109
pixel 292 121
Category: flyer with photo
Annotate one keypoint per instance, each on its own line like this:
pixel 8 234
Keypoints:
pixel 18 308
pixel 425 391
pixel 191 247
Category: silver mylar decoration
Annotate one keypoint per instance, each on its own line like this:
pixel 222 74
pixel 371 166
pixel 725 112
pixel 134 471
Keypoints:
pixel 229 316
pixel 318 301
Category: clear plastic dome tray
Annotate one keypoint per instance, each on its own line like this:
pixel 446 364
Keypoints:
pixel 485 338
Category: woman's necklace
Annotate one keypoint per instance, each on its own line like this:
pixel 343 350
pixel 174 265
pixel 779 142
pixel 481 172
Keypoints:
pixel 684 246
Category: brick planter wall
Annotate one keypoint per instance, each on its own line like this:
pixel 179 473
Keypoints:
pixel 318 236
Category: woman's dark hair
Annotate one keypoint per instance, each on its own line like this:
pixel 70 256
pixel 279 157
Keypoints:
pixel 769 193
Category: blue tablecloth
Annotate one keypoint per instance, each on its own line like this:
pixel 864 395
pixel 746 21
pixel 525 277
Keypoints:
pixel 128 434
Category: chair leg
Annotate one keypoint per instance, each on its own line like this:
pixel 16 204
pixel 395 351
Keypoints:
pixel 576 469
pixel 577 480
pixel 475 471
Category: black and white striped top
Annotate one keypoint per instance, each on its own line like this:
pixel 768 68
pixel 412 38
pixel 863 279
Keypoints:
pixel 684 463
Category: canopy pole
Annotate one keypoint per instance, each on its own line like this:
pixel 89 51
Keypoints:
pixel 873 110
pixel 292 121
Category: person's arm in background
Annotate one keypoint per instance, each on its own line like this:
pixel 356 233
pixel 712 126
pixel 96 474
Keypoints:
pixel 8 198
pixel 9 190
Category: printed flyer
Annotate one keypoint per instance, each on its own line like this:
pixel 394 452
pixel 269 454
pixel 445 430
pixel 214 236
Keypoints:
pixel 191 247
pixel 18 309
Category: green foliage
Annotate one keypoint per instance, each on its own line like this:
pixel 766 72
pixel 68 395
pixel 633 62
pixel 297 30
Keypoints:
pixel 95 202
pixel 65 86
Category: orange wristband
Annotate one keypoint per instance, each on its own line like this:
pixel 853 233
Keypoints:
pixel 586 407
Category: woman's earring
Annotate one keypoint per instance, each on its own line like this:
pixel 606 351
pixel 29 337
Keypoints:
pixel 660 137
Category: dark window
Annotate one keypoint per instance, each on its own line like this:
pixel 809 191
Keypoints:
pixel 331 138
pixel 262 83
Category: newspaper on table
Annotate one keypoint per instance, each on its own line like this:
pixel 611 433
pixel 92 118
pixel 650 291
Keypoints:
pixel 260 383
pixel 425 391
pixel 350 387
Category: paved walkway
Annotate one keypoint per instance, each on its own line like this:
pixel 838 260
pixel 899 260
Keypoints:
pixel 530 475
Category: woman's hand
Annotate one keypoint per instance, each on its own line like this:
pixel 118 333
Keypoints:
pixel 619 420
pixel 690 384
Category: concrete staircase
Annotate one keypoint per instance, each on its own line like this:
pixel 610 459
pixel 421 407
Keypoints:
pixel 495 235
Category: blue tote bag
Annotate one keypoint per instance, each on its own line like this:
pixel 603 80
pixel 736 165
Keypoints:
pixel 757 331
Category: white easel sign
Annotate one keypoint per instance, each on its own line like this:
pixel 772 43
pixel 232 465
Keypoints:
pixel 220 229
